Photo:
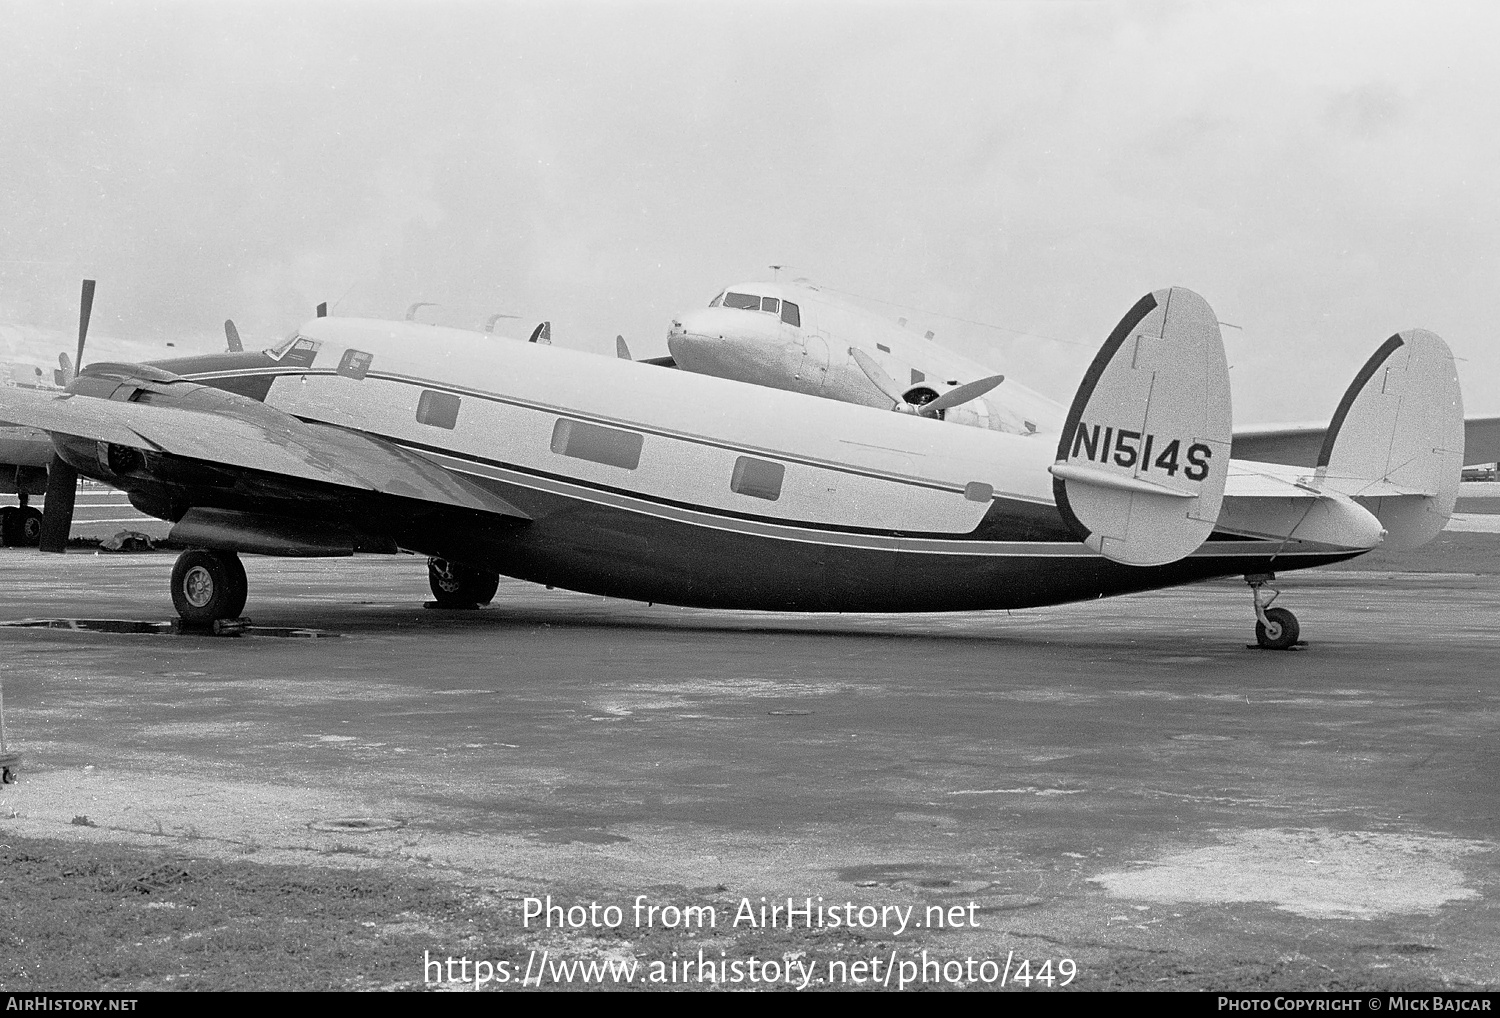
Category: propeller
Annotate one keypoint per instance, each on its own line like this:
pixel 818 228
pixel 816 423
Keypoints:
pixel 85 310
pixel 233 336
pixel 622 351
pixel 887 385
pixel 62 479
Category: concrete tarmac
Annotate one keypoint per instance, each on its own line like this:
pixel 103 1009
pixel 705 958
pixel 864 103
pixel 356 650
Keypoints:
pixel 1122 783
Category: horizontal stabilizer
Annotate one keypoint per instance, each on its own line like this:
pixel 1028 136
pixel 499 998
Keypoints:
pixel 1106 479
pixel 1144 454
pixel 1278 503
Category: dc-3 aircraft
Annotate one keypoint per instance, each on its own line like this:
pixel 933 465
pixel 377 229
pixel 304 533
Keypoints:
pixel 623 479
pixel 798 337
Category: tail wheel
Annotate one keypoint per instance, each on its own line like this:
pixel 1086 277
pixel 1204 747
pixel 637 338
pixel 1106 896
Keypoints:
pixel 459 586
pixel 208 585
pixel 1279 631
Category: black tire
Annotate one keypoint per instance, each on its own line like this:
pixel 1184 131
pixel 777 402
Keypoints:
pixel 1282 633
pixel 241 584
pixel 460 586
pixel 208 585
pixel 30 526
pixel 8 524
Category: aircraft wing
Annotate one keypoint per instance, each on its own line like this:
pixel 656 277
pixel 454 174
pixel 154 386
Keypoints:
pixel 1300 444
pixel 311 452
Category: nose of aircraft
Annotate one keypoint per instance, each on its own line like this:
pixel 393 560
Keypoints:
pixel 713 340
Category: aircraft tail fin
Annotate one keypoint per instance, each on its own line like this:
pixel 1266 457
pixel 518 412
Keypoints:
pixel 1144 453
pixel 1396 444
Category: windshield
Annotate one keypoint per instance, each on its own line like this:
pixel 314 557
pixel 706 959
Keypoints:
pixel 276 352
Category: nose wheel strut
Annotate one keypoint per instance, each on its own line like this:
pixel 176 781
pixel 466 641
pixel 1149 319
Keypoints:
pixel 1275 628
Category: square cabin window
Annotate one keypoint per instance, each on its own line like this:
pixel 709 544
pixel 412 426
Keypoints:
pixel 438 409
pixel 609 446
pixel 770 304
pixel 757 478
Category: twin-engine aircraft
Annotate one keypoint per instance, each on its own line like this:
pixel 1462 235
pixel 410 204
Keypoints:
pixel 797 337
pixel 617 478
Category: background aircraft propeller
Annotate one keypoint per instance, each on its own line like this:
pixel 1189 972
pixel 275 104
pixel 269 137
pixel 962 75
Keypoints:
pixel 233 336
pixel 62 479
pixel 952 398
pixel 622 350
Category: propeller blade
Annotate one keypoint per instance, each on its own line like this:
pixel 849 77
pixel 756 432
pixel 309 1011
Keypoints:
pixel 962 394
pixel 621 350
pixel 67 368
pixel 233 336
pixel 57 511
pixel 85 309
pixel 877 376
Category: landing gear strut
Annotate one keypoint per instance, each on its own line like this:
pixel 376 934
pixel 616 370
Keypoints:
pixel 460 586
pixel 208 585
pixel 1275 628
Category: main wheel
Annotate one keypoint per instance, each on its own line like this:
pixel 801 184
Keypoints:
pixel 1282 631
pixel 30 526
pixel 460 586
pixel 208 585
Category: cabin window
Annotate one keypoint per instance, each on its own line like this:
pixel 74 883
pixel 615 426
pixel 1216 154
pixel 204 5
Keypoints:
pixel 978 491
pixel 743 301
pixel 355 364
pixel 770 304
pixel 790 314
pixel 438 409
pixel 757 478
pixel 609 446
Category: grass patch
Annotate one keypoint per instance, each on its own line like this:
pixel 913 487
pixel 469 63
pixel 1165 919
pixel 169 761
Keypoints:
pixel 106 917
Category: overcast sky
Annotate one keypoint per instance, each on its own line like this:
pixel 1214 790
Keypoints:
pixel 1324 174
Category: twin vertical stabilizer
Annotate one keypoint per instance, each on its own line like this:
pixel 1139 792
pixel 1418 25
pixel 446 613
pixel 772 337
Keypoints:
pixel 1144 454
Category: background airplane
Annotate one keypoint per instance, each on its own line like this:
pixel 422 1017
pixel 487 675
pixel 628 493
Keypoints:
pixel 612 477
pixel 794 336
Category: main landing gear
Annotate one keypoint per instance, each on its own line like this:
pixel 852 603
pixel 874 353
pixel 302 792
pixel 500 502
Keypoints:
pixel 460 586
pixel 208 585
pixel 1275 628
pixel 20 525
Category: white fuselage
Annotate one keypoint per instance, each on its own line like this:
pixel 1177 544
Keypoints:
pixel 808 350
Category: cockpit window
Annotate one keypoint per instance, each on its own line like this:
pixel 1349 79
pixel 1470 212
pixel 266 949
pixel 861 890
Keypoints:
pixel 791 314
pixel 770 304
pixel 276 351
pixel 743 301
pixel 295 350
